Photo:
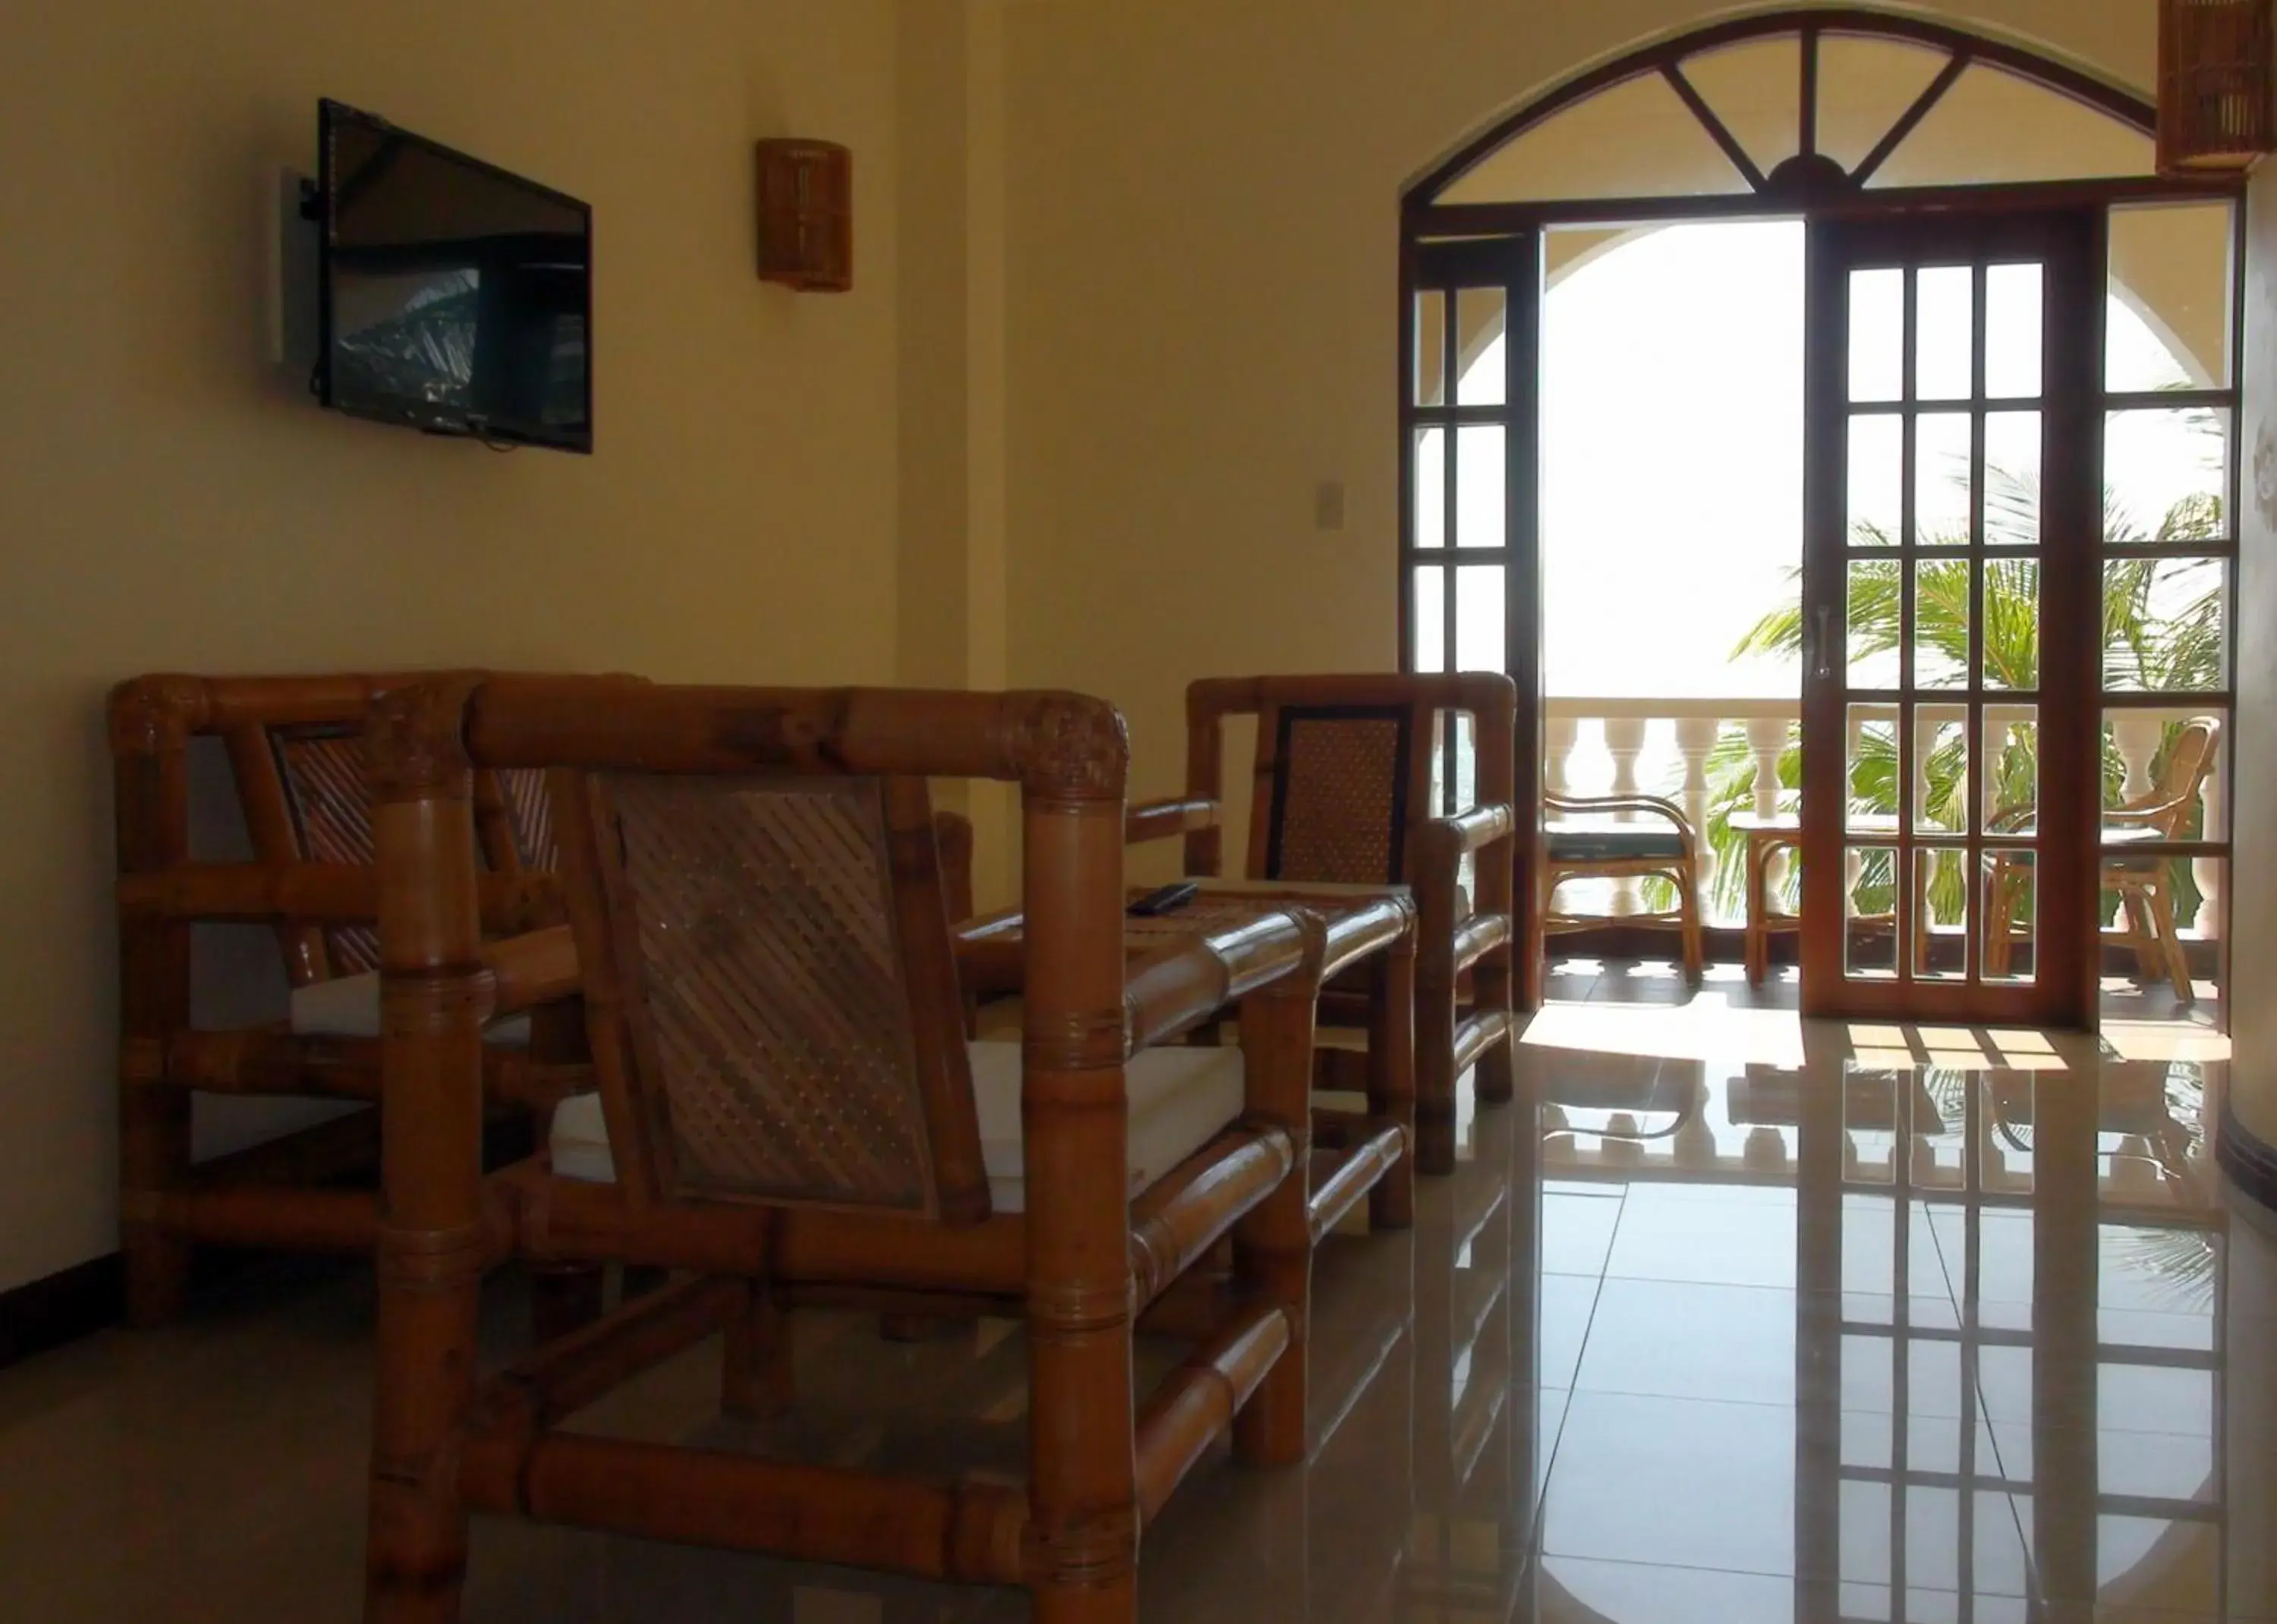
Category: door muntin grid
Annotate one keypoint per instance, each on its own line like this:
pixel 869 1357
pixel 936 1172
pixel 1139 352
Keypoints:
pixel 1946 377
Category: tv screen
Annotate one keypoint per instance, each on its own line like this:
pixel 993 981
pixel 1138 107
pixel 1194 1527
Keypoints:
pixel 455 296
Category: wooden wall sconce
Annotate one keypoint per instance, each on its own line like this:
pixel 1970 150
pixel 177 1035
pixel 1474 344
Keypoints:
pixel 806 216
pixel 2216 108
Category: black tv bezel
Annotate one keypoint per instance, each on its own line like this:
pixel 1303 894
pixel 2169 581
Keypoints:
pixel 404 411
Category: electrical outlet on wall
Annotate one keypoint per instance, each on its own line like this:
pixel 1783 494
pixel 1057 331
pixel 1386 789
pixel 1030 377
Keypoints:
pixel 1329 506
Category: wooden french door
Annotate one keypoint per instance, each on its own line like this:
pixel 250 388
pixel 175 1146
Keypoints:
pixel 1470 562
pixel 1951 614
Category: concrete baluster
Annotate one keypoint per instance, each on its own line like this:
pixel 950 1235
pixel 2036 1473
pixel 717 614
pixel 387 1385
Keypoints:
pixel 1625 743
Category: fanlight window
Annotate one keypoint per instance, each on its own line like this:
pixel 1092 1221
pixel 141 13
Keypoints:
pixel 1807 114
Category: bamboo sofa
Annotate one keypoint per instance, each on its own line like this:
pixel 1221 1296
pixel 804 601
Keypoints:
pixel 788 1111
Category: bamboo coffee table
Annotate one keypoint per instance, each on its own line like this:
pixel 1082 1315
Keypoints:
pixel 1364 925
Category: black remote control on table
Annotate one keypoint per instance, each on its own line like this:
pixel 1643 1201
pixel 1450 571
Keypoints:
pixel 1168 900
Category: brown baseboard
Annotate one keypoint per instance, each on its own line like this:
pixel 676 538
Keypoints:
pixel 89 1297
pixel 60 1308
pixel 2250 1160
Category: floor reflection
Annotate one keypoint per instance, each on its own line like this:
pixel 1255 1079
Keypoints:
pixel 1730 1318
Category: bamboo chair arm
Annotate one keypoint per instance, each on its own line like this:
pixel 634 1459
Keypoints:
pixel 1658 806
pixel 991 955
pixel 1166 820
pixel 315 893
pixel 1171 992
pixel 1466 832
pixel 2155 810
pixel 538 968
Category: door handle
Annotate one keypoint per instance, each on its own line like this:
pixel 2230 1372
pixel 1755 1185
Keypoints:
pixel 1820 655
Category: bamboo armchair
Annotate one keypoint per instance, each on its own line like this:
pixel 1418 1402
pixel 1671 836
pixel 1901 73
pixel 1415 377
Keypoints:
pixel 1343 795
pixel 295 751
pixel 2145 885
pixel 1578 843
pixel 789 1109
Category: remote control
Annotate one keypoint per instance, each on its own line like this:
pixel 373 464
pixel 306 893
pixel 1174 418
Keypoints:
pixel 1168 900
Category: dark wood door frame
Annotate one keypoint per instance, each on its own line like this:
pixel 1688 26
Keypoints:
pixel 1510 264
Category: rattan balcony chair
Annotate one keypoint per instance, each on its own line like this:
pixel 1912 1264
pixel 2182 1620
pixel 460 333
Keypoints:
pixel 1581 841
pixel 788 1110
pixel 2145 885
pixel 1341 793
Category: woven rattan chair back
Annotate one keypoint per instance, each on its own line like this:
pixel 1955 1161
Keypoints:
pixel 776 1014
pixel 2190 759
pixel 1335 784
pixel 308 777
pixel 1343 770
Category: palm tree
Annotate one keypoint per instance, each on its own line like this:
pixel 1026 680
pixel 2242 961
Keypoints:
pixel 2163 631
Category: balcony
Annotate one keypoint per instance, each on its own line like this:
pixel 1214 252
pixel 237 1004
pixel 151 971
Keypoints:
pixel 1714 756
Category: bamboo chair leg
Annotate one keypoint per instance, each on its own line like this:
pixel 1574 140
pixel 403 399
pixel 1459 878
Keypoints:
pixel 1434 1070
pixel 1273 1241
pixel 756 1381
pixel 1493 993
pixel 564 1297
pixel 154 1158
pixel 1391 1079
pixel 433 1237
pixel 1758 905
pixel 152 811
pixel 1432 959
pixel 1497 1075
pixel 2142 935
pixel 1687 897
pixel 2162 904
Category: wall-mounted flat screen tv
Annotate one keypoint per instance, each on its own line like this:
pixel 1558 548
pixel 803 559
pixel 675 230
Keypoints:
pixel 455 296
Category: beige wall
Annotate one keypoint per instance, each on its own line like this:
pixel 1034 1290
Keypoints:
pixel 166 503
pixel 951 586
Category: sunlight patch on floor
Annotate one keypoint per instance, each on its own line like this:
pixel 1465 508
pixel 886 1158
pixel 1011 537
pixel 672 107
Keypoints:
pixel 1706 1029
pixel 2163 1040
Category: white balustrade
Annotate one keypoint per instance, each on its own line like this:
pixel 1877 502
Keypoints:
pixel 1695 740
pixel 1767 737
pixel 1663 745
pixel 2138 734
pixel 1561 731
pixel 1625 743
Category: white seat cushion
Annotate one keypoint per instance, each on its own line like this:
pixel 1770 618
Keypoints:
pixel 1179 1100
pixel 348 1006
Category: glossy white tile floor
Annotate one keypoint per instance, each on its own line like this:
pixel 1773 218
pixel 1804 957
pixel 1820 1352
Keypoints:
pixel 1729 1319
